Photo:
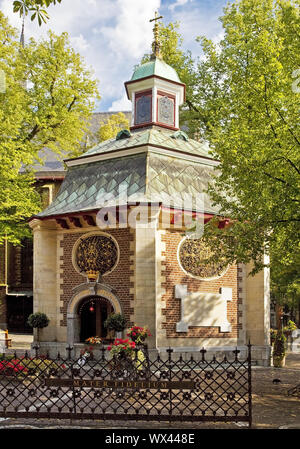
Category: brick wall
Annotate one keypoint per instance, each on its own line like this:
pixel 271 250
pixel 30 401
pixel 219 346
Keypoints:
pixel 119 278
pixel 175 275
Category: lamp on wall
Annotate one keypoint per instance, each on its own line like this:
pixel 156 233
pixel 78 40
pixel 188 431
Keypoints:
pixel 91 308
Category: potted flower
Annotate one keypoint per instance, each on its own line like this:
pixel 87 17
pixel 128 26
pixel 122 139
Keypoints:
pixel 123 355
pixel 88 352
pixel 139 334
pixel 93 340
pixel 279 350
pixel 116 322
pixel 126 355
pixel 122 348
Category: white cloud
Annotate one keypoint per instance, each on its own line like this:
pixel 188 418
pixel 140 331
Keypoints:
pixel 123 104
pixel 177 3
pixel 131 35
pixel 79 43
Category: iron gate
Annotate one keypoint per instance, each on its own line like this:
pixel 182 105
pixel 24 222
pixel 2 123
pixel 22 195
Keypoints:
pixel 167 387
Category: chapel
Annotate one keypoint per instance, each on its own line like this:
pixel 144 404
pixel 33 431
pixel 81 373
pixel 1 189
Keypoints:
pixel 115 240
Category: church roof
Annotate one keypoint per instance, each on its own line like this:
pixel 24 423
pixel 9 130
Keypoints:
pixel 156 67
pixel 156 137
pixel 142 177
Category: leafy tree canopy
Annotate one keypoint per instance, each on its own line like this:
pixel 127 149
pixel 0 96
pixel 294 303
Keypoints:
pixel 48 97
pixel 249 113
pixel 114 124
pixel 34 7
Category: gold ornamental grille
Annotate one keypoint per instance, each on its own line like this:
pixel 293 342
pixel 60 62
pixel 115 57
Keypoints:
pixel 96 254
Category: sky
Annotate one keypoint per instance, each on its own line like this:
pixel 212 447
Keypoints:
pixel 113 35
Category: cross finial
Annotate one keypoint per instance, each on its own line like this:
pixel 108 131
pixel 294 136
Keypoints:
pixel 156 43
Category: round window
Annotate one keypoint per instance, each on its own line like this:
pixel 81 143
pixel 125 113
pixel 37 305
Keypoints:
pixel 96 254
pixel 193 255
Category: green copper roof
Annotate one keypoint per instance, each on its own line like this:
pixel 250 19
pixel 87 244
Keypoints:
pixel 148 177
pixel 153 137
pixel 155 67
pixel 89 186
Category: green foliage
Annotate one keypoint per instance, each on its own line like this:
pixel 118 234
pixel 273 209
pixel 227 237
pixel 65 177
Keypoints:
pixel 248 111
pixel 291 326
pixel 285 281
pixel 116 322
pixel 114 124
pixel 47 102
pixel 35 8
pixel 38 320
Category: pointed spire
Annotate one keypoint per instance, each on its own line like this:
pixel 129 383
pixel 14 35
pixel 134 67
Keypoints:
pixel 156 42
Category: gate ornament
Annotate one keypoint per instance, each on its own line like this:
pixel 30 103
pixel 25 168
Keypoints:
pixel 96 255
pixel 193 255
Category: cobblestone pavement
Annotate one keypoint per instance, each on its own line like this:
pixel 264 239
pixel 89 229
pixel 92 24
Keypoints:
pixel 273 408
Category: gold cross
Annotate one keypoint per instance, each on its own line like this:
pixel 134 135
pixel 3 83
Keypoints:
pixel 156 43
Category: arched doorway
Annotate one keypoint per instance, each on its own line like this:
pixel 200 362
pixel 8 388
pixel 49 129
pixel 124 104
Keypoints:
pixel 93 312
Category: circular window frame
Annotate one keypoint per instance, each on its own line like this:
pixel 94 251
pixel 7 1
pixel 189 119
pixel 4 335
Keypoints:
pixel 91 234
pixel 199 278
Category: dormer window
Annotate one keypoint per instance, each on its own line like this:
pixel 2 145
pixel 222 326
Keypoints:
pixel 143 107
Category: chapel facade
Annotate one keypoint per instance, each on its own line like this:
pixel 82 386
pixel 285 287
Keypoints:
pixel 115 239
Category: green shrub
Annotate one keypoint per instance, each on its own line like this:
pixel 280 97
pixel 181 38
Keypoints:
pixel 291 326
pixel 116 322
pixel 38 320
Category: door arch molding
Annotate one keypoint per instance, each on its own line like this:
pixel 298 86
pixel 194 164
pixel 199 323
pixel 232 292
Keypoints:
pixel 81 292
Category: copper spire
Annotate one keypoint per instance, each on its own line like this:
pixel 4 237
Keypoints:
pixel 156 42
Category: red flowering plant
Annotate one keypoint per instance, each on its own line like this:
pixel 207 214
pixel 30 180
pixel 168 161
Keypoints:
pixel 126 349
pixel 12 367
pixel 139 334
pixel 122 347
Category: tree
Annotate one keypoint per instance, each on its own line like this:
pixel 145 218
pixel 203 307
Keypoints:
pixel 38 321
pixel 48 99
pixel 114 124
pixel 34 7
pixel 248 111
pixel 285 286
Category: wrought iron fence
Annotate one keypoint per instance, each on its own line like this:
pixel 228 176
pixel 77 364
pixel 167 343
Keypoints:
pixel 167 387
